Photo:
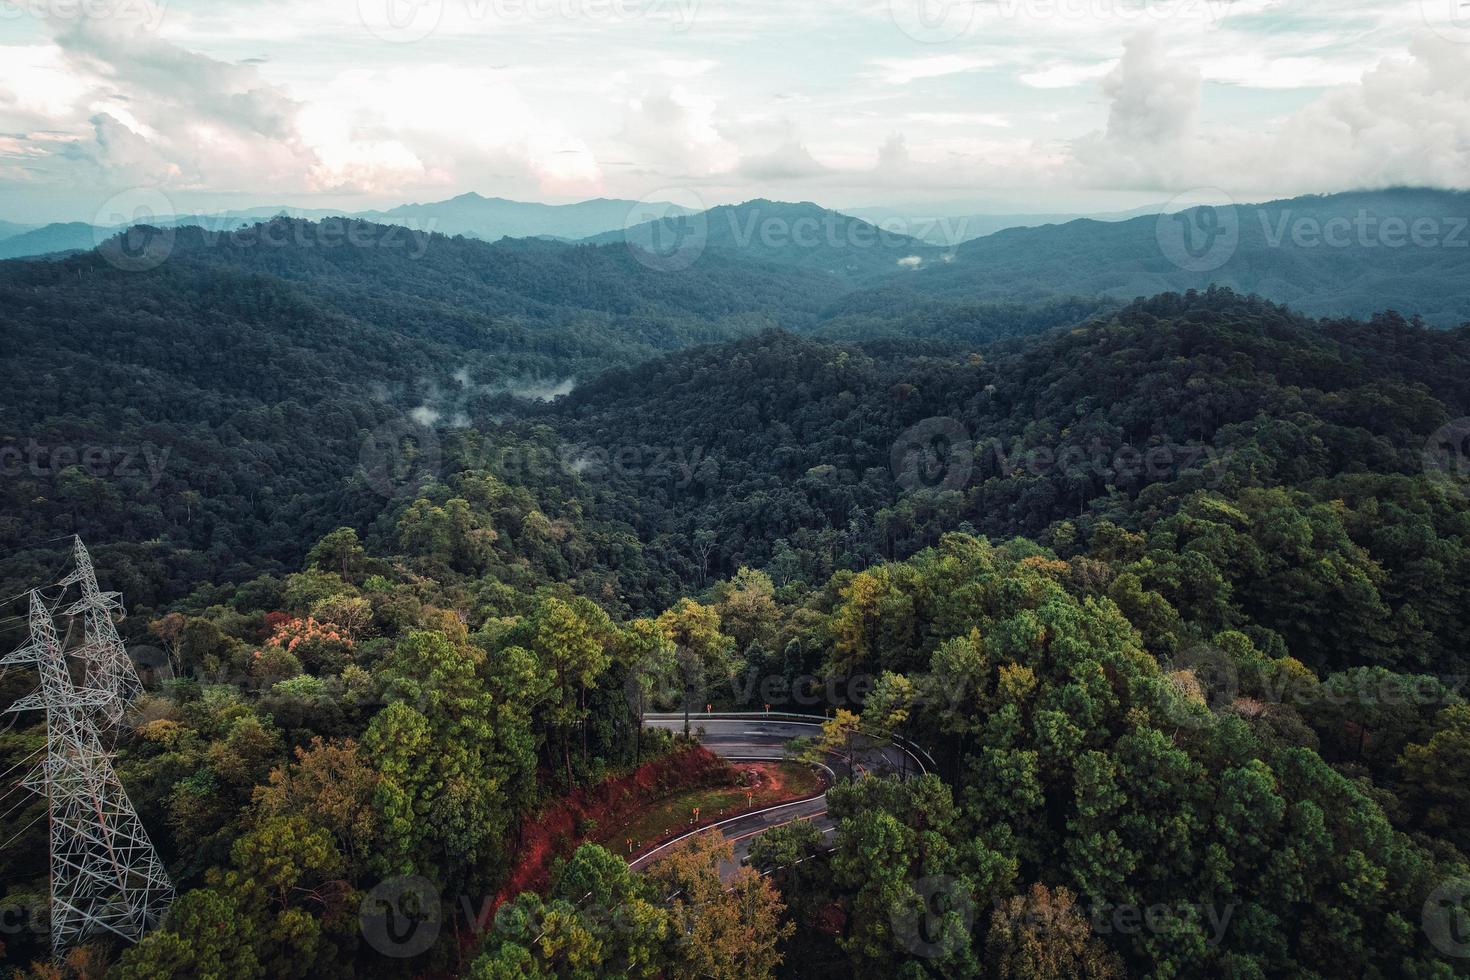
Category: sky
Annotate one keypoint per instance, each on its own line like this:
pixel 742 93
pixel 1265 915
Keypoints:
pixel 1003 106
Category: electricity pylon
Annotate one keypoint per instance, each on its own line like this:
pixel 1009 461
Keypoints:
pixel 109 668
pixel 105 873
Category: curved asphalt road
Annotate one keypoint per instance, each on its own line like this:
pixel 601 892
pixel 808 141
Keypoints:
pixel 755 737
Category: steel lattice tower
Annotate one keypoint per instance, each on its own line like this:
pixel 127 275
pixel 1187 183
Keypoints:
pixel 109 668
pixel 105 873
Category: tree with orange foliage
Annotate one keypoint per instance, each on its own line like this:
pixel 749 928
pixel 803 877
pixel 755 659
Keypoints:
pixel 1041 935
pixel 730 929
pixel 332 787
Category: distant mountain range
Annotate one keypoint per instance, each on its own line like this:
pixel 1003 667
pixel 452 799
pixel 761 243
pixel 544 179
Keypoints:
pixel 1342 254
pixel 492 218
pixel 947 226
pixel 487 218
pixel 804 236
pixel 1351 254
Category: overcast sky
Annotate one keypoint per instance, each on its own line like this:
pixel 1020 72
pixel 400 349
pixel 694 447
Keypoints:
pixel 1010 106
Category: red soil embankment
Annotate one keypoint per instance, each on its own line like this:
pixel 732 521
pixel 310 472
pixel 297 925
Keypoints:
pixel 555 830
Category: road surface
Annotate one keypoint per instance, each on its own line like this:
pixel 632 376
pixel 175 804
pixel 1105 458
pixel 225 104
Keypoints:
pixel 754 737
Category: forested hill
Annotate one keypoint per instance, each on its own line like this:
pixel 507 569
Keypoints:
pixel 1136 420
pixel 263 363
pixel 268 363
pixel 1342 254
pixel 804 235
pixel 1351 254
pixel 401 619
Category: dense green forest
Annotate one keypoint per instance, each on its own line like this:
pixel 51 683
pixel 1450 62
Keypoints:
pixel 1174 593
pixel 239 399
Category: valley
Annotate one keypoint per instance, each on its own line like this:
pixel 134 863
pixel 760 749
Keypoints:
pixel 425 541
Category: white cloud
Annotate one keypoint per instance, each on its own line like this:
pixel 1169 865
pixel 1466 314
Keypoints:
pixel 1153 99
pixel 991 119
pixel 674 130
pixel 901 71
pixel 270 99
pixel 1403 122
pixel 789 161
pixel 685 67
pixel 1066 75
pixel 374 131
